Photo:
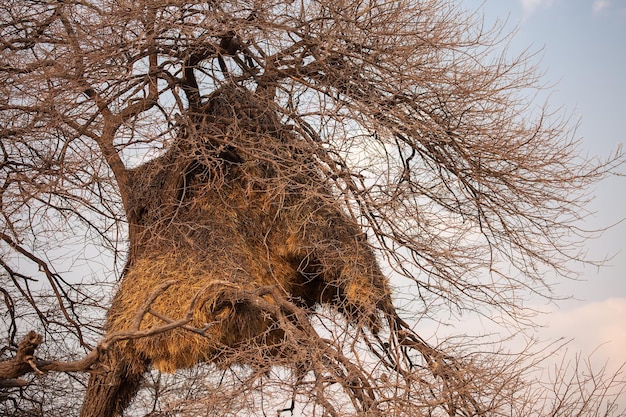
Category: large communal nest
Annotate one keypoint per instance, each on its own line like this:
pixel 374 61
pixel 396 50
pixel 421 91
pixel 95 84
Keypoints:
pixel 237 204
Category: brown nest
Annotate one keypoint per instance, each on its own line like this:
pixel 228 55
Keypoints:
pixel 237 203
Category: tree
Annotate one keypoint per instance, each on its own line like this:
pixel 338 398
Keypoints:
pixel 260 176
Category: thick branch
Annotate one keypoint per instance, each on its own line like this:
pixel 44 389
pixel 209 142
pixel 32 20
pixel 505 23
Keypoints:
pixel 22 363
pixel 25 362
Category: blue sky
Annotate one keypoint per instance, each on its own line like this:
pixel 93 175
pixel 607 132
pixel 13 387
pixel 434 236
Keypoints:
pixel 583 46
pixel 582 49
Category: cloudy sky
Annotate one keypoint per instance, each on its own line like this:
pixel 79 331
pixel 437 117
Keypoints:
pixel 582 46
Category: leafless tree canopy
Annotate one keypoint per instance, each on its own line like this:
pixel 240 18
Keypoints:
pixel 277 191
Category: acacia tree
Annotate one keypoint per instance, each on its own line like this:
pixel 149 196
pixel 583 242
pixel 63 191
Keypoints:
pixel 248 170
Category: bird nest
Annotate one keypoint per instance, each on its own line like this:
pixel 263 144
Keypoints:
pixel 234 207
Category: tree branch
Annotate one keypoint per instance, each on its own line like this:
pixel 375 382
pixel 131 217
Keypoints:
pixel 25 362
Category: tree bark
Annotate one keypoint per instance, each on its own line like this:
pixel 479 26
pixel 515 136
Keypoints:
pixel 22 363
pixel 109 393
pixel 25 362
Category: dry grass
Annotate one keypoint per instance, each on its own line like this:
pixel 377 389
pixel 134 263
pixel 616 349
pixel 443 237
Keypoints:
pixel 197 287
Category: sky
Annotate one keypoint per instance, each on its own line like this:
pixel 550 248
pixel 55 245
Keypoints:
pixel 582 51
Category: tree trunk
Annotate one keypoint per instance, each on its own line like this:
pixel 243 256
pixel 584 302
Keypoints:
pixel 109 393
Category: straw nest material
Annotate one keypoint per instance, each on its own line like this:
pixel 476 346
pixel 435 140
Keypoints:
pixel 236 204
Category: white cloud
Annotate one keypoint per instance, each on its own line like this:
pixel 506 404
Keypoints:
pixel 600 5
pixel 596 328
pixel 596 332
pixel 607 7
pixel 530 6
